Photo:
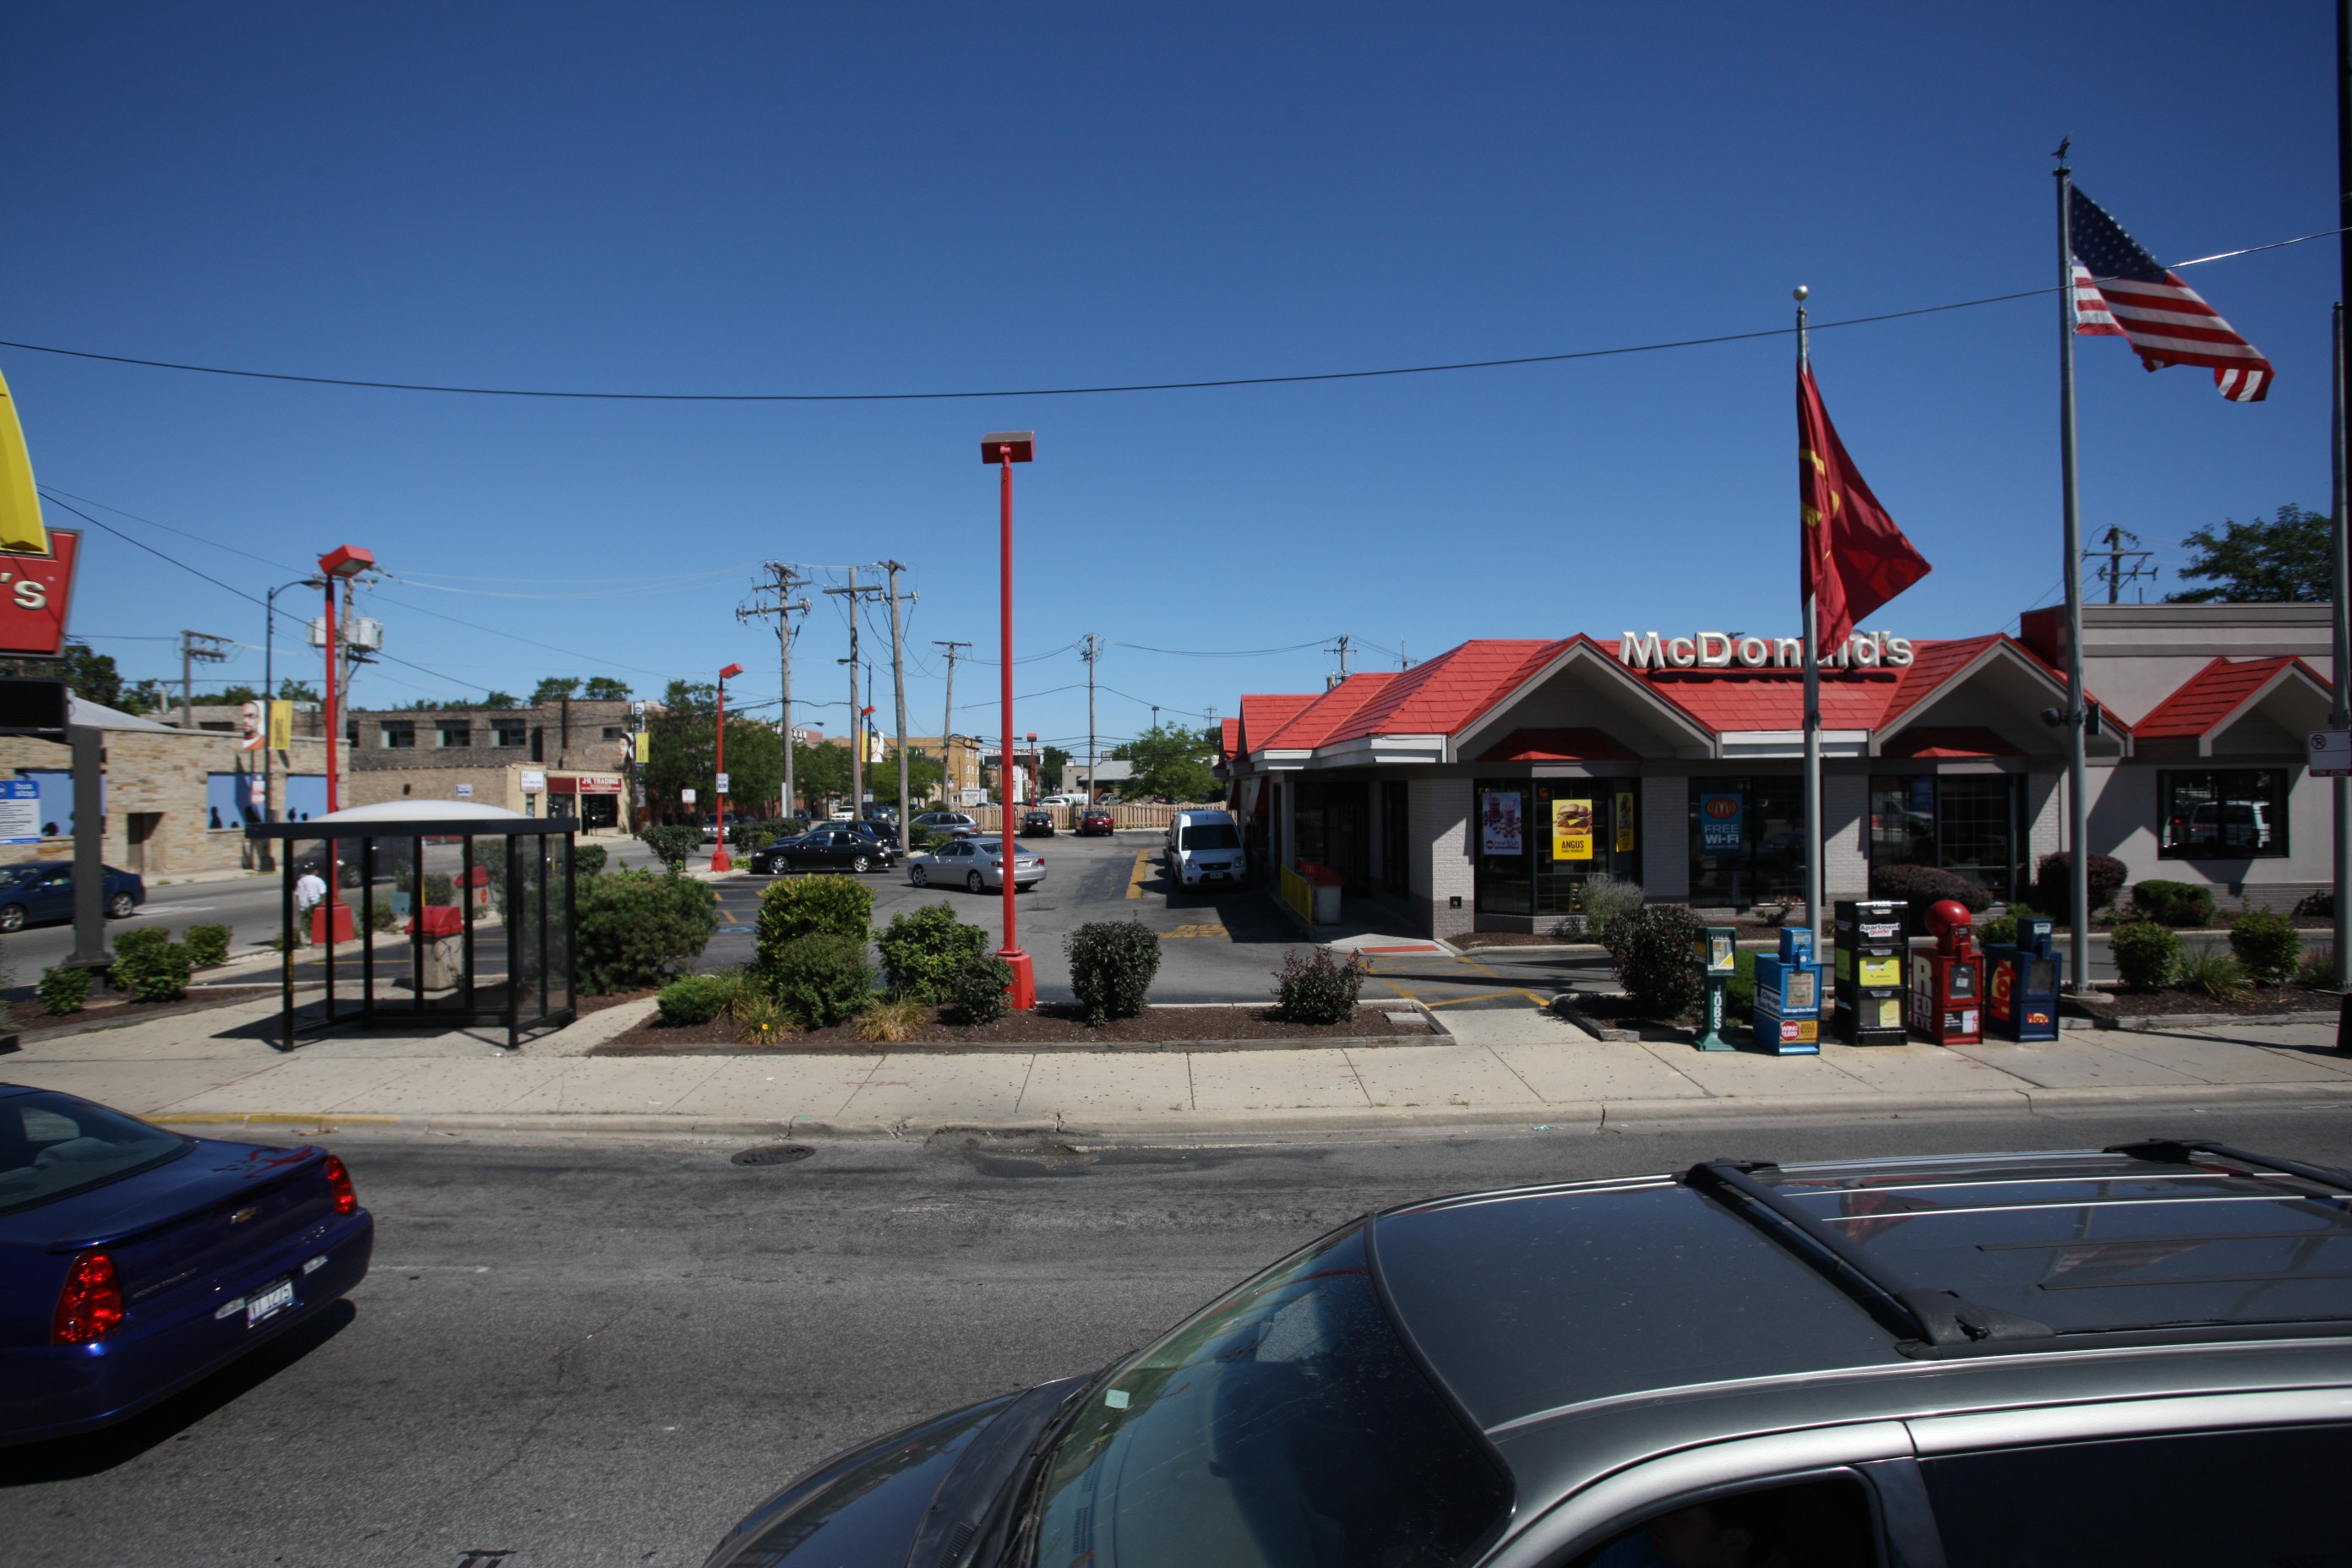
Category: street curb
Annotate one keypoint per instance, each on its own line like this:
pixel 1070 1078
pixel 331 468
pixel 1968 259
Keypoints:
pixel 1586 1116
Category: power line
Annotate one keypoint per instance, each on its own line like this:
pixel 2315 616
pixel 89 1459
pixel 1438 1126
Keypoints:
pixel 1224 652
pixel 1090 391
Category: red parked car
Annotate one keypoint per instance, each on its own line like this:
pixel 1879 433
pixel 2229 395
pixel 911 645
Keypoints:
pixel 1094 822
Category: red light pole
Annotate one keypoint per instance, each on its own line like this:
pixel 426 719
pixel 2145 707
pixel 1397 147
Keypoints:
pixel 1005 448
pixel 718 861
pixel 344 562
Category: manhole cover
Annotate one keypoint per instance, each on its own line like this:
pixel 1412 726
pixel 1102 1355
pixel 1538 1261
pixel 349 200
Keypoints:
pixel 771 1155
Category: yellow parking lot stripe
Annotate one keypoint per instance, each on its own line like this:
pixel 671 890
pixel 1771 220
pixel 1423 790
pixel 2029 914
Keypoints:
pixel 1135 878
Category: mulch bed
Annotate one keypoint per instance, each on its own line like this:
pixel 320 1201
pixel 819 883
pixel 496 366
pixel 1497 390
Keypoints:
pixel 107 1012
pixel 2172 1001
pixel 1470 941
pixel 1053 1026
pixel 587 1003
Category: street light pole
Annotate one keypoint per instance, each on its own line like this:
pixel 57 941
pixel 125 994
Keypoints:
pixel 268 696
pixel 342 563
pixel 1005 448
pixel 719 860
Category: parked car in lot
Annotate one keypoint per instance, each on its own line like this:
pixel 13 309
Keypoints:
pixel 977 864
pixel 1095 824
pixel 133 1262
pixel 947 822
pixel 1206 847
pixel 31 895
pixel 1037 825
pixel 2107 1358
pixel 834 848
pixel 710 828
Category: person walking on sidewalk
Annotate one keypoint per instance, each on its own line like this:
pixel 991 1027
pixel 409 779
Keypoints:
pixel 310 892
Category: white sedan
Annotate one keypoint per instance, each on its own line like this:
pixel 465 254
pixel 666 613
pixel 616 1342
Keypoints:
pixel 976 863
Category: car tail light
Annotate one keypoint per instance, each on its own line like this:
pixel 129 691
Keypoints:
pixel 346 1197
pixel 90 1306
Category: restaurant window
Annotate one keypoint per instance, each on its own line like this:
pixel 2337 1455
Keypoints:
pixel 1540 841
pixel 398 733
pixel 1505 882
pixel 1747 840
pixel 2223 814
pixel 1396 837
pixel 1965 823
pixel 1332 825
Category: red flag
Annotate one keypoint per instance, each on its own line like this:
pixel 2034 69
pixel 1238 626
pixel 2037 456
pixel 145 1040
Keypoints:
pixel 1853 557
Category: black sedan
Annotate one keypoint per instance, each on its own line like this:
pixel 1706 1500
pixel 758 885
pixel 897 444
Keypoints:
pixel 837 847
pixel 1036 825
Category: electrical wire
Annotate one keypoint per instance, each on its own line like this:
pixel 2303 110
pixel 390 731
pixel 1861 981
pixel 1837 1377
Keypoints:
pixel 1222 653
pixel 1109 388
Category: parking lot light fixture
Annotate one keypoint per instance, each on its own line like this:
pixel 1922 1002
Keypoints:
pixel 1004 448
pixel 719 860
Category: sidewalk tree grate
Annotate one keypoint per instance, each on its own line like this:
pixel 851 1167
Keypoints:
pixel 771 1155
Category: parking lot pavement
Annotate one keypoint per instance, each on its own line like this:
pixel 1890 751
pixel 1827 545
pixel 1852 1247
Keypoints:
pixel 1217 945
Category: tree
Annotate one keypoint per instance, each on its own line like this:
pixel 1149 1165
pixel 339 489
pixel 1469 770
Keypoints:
pixel 685 752
pixel 604 689
pixel 1055 760
pixel 821 769
pixel 493 698
pixel 1168 760
pixel 89 675
pixel 292 691
pixel 554 689
pixel 2267 561
pixel 236 695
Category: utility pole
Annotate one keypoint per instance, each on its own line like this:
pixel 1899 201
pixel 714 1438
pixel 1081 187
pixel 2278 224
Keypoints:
pixel 2114 572
pixel 856 719
pixel 783 609
pixel 1094 652
pixel 947 722
pixel 1339 647
pixel 195 646
pixel 899 680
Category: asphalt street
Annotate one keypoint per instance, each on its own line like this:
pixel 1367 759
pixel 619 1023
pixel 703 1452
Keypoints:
pixel 603 1353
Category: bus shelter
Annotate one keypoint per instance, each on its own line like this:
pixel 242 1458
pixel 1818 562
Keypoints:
pixel 444 913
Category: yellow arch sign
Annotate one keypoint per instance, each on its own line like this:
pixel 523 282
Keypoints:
pixel 21 529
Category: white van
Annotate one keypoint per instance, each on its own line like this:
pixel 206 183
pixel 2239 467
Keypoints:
pixel 1206 847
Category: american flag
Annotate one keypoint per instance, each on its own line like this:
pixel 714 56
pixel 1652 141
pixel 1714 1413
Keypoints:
pixel 2122 291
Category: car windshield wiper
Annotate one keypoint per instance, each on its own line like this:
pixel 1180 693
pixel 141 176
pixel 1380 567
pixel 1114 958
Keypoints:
pixel 1020 1540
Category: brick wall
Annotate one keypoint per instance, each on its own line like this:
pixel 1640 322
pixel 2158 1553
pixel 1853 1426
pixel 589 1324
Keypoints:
pixel 1438 811
pixel 159 776
pixel 1845 844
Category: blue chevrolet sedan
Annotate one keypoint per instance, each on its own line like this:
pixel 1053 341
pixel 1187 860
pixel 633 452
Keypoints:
pixel 134 1261
pixel 31 894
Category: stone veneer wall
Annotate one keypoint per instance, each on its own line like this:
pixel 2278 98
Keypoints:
pixel 162 772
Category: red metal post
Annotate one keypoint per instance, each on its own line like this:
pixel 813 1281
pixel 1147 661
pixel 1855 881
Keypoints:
pixel 719 860
pixel 331 696
pixel 1024 979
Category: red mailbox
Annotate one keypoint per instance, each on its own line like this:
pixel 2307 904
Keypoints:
pixel 1948 984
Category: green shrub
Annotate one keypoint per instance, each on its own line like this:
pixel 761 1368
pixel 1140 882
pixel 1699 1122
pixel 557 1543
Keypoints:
pixel 1655 952
pixel 761 1019
pixel 2267 946
pixel 150 966
pixel 1314 990
pixel 922 949
pixel 63 990
pixel 672 845
pixel 2173 903
pixel 2054 886
pixel 1999 929
pixel 2145 954
pixel 977 990
pixel 641 928
pixel 697 999
pixel 1926 885
pixel 812 906
pixel 751 834
pixel 1604 899
pixel 587 859
pixel 2317 970
pixel 380 917
pixel 2213 971
pixel 1111 966
pixel 208 944
pixel 1739 991
pixel 821 980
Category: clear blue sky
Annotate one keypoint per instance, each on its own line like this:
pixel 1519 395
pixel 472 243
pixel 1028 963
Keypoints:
pixel 909 198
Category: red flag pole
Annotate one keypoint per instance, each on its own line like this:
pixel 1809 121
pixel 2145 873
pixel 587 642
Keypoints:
pixel 1812 679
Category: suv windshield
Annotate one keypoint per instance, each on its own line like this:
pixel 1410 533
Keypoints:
pixel 53 1145
pixel 1282 1426
pixel 1211 836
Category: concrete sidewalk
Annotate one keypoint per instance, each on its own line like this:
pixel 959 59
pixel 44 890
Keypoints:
pixel 1501 1067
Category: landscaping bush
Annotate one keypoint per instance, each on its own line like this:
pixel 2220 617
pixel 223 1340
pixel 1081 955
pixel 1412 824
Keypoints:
pixel 641 928
pixel 748 834
pixel 890 1020
pixel 1739 991
pixel 1111 966
pixel 208 944
pixel 2317 970
pixel 2146 955
pixel 380 918
pixel 2052 886
pixel 2267 946
pixel 1655 951
pixel 2213 971
pixel 1606 898
pixel 977 988
pixel 821 979
pixel 2320 905
pixel 922 949
pixel 760 1018
pixel 150 966
pixel 62 990
pixel 814 906
pixel 1999 929
pixel 587 859
pixel 697 999
pixel 1314 990
pixel 2173 903
pixel 1925 885
pixel 672 845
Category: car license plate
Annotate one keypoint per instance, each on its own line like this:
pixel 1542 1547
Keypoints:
pixel 268 1301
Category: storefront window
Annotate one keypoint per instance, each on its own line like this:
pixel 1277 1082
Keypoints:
pixel 1538 842
pixel 2223 814
pixel 1332 821
pixel 1505 875
pixel 1965 824
pixel 1746 840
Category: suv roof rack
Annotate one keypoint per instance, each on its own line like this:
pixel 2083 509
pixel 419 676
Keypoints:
pixel 1930 1315
pixel 2183 1151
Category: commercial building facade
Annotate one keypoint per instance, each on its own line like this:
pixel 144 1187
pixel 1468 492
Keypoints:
pixel 1484 789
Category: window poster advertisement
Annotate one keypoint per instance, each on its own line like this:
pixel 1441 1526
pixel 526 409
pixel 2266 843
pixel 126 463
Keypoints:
pixel 1719 824
pixel 1624 824
pixel 1498 821
pixel 1571 830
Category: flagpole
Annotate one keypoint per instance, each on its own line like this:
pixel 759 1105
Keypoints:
pixel 2339 710
pixel 1813 693
pixel 2078 805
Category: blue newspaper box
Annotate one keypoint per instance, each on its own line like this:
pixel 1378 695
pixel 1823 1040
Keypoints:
pixel 1788 1016
pixel 2021 993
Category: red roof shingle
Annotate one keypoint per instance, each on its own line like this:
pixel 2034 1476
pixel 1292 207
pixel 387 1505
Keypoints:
pixel 2212 695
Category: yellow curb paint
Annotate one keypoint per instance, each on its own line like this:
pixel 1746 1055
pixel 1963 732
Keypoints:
pixel 1135 878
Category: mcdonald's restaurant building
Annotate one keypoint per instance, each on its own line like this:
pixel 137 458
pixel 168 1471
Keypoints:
pixel 1483 789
